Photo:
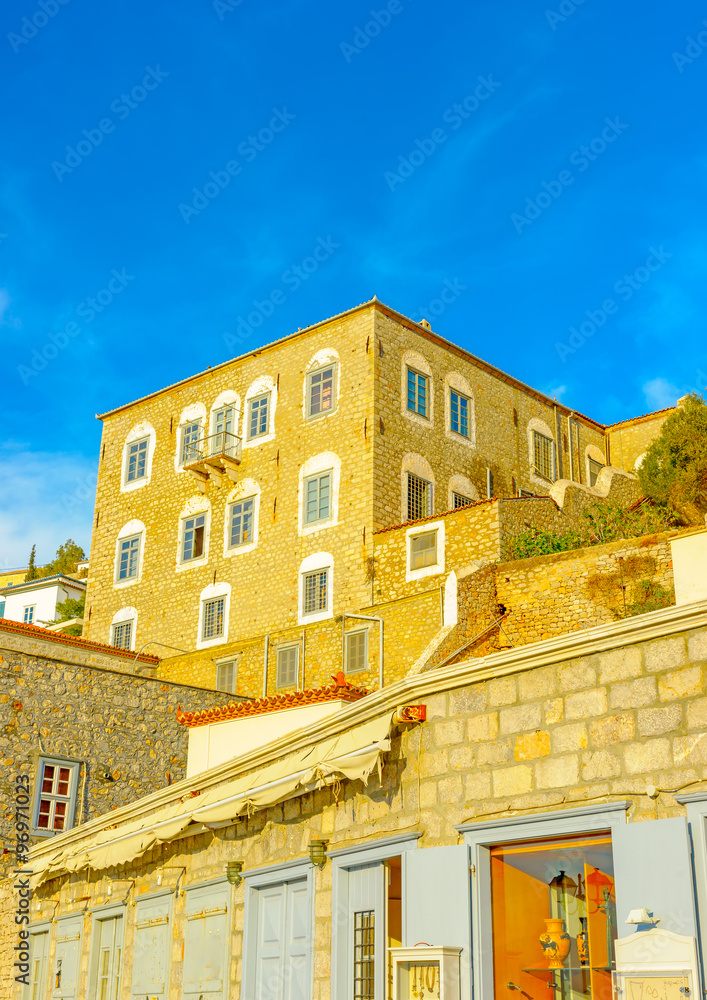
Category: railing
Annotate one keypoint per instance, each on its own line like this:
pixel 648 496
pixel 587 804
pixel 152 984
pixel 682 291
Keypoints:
pixel 214 446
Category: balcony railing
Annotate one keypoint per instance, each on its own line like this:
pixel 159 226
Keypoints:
pixel 210 457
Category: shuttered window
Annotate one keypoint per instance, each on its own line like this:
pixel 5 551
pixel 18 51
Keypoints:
pixel 205 940
pixel 38 951
pixel 151 949
pixel 65 971
pixel 283 942
pixel 107 951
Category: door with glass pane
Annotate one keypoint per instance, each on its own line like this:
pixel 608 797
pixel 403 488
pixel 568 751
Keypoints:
pixel 38 951
pixel 283 941
pixel 366 946
pixel 107 954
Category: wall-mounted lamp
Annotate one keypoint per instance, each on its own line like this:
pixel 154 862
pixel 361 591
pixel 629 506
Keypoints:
pixel 233 872
pixel 317 852
pixel 642 916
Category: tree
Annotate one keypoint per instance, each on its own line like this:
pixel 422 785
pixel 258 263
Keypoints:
pixel 32 571
pixel 674 471
pixel 72 607
pixel 66 560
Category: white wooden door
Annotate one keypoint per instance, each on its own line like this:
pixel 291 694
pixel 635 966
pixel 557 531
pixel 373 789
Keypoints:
pixel 205 939
pixel 65 974
pixel 38 951
pixel 151 949
pixel 283 941
pixel 107 954
pixel 366 942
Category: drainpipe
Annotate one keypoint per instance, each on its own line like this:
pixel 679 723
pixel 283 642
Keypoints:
pixel 558 446
pixel 304 647
pixel 365 618
pixel 265 666
pixel 569 437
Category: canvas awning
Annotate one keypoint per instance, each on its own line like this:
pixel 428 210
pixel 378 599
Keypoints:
pixel 351 755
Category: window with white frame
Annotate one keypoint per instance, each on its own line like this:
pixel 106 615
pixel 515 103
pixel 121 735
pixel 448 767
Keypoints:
pixel 459 500
pixel 128 558
pixel 121 635
pixel 258 411
pixel 241 522
pixel 212 625
pixel 419 497
pixel 594 470
pixel 191 433
pixel 136 465
pixel 423 550
pixel 317 497
pixel 315 592
pixel 193 532
pixel 28 613
pixel 55 797
pixel 287 666
pixel 459 413
pixel 104 974
pixel 356 651
pixel 321 391
pixel 544 452
pixel 226 676
pixel 418 392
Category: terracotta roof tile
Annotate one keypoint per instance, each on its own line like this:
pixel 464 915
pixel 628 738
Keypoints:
pixel 340 690
pixel 34 631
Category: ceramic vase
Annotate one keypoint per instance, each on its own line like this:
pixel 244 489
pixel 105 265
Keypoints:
pixel 583 943
pixel 555 943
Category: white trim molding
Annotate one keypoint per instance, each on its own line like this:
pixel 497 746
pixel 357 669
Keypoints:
pixel 141 430
pixel 133 527
pixel 195 412
pixel 425 571
pixel 326 356
pixel 229 397
pixel 214 590
pixel 325 461
pixel 197 504
pixel 418 466
pixel 245 490
pixel 418 362
pixel 317 561
pixel 125 615
pixel 264 385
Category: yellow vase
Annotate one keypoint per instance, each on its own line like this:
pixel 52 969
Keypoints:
pixel 555 943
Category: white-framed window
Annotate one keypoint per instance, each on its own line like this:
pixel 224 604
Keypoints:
pixel 226 675
pixel 319 482
pixel 214 609
pixel 241 522
pixel 190 433
pixel 258 416
pixel 259 411
pixel 106 956
pixel 317 497
pixel 356 651
pixel 138 452
pixel 593 468
pixel 459 413
pixel 321 391
pixel 193 537
pixel 28 613
pixel 595 463
pixel 190 429
pixel 128 557
pixel 459 500
pixel 287 666
pixel 122 635
pixel 419 497
pixel 423 550
pixel 137 456
pixel 55 795
pixel 213 618
pixel 315 597
pixel 315 591
pixel 544 452
pixel 418 392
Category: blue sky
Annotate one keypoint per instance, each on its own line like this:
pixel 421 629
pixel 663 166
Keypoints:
pixel 423 146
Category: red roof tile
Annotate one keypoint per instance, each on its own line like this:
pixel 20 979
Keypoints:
pixel 340 690
pixel 34 631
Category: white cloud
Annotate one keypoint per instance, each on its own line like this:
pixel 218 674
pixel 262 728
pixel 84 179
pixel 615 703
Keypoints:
pixel 45 498
pixel 660 393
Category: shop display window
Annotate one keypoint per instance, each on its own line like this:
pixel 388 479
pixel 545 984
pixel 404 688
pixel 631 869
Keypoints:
pixel 554 918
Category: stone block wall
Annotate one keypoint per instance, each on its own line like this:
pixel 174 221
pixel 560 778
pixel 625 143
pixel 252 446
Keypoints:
pixel 630 439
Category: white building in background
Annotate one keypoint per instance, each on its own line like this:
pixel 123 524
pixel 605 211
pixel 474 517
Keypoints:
pixel 34 603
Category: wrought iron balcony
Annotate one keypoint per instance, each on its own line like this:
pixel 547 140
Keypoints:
pixel 213 456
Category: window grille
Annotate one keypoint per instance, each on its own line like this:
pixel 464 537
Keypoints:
pixel 258 422
pixel 226 676
pixel 423 550
pixel 190 435
pixel 137 460
pixel 356 651
pixel 364 954
pixel 122 635
pixel 129 557
pixel 417 392
pixel 459 413
pixel 212 626
pixel 193 537
pixel 315 592
pixel 56 784
pixel 287 666
pixel 419 497
pixel 320 391
pixel 317 497
pixel 28 614
pixel 459 500
pixel 242 522
pixel 594 470
pixel 544 448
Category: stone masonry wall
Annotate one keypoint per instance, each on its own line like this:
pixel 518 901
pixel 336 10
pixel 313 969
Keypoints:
pixel 629 440
pixel 581 729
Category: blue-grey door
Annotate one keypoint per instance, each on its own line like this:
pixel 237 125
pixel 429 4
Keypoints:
pixel 283 941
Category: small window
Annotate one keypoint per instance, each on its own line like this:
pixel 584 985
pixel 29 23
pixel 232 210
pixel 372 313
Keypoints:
pixel 226 676
pixel 241 523
pixel 190 437
pixel 317 497
pixel 137 460
pixel 459 500
pixel 320 391
pixel 459 413
pixel 364 960
pixel 212 626
pixel 417 392
pixel 193 537
pixel 544 449
pixel 423 550
pixel 128 557
pixel 57 782
pixel 356 651
pixel 105 963
pixel 315 587
pixel 594 470
pixel 223 420
pixel 28 614
pixel 419 497
pixel 287 666
pixel 121 635
pixel 258 416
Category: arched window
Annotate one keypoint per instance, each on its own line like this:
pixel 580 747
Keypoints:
pixel 416 389
pixel 321 384
pixel 316 584
pixel 192 424
pixel 193 534
pixel 129 554
pixel 259 412
pixel 417 484
pixel 242 515
pixel 459 416
pixel 138 452
pixel 123 629
pixel 541 452
pixel 319 480
pixel 214 608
